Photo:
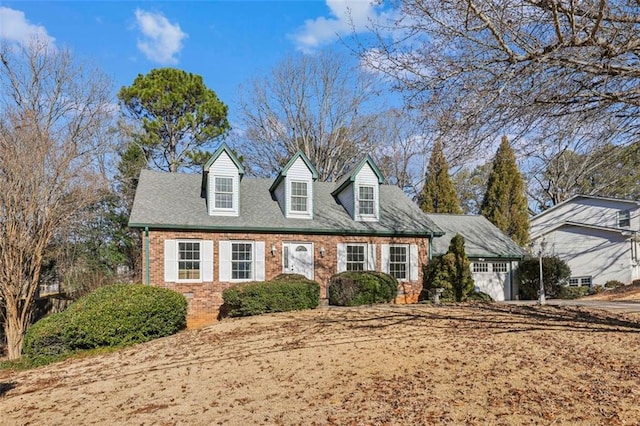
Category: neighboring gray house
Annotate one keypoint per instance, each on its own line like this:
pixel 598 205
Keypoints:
pixel 494 256
pixel 597 236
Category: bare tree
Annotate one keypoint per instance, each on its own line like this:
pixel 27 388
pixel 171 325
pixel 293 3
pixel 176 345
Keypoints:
pixel 514 66
pixel 52 118
pixel 317 104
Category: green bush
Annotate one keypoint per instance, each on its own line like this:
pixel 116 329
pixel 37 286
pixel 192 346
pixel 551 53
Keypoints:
pixel 354 288
pixel 613 284
pixel 282 294
pixel 479 296
pixel 596 289
pixel 555 273
pixel 112 316
pixel 573 292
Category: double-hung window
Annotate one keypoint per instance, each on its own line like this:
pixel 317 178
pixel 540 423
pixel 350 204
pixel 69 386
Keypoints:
pixel 366 201
pixel 299 197
pixel 189 260
pixel 399 261
pixel 242 261
pixel 624 219
pixel 223 192
pixel 356 257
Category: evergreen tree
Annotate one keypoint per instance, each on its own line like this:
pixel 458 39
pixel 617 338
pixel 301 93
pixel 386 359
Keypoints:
pixel 438 193
pixel 505 202
pixel 451 272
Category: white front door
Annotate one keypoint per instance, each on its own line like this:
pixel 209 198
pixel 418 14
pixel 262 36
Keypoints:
pixel 298 259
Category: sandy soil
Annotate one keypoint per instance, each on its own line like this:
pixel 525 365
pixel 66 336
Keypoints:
pixel 474 364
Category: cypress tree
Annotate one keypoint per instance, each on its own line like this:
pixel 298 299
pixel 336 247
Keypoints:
pixel 459 271
pixel 438 193
pixel 505 202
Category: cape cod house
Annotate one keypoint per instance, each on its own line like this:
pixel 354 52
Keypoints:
pixel 204 233
pixel 598 237
pixel 494 257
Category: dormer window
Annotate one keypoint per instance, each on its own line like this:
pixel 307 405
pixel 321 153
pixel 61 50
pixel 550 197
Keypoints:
pixel 223 195
pixel 299 197
pixel 624 219
pixel 366 200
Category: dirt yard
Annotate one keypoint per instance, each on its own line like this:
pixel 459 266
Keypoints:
pixel 475 364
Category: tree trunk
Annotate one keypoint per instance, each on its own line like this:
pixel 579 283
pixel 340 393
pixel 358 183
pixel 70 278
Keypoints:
pixel 14 330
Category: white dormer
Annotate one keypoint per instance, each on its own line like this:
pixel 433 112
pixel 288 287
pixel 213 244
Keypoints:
pixel 359 191
pixel 221 179
pixel 293 188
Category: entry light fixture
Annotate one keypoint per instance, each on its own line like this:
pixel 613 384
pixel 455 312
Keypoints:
pixel 274 250
pixel 322 251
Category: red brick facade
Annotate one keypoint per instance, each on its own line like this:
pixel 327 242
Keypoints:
pixel 205 298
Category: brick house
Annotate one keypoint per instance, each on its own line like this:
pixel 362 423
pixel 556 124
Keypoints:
pixel 204 233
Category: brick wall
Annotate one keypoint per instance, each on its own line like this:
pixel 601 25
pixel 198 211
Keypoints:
pixel 205 299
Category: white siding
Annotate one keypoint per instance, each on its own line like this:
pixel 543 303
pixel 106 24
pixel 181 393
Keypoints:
pixel 347 200
pixel 223 167
pixel 590 252
pixel 590 211
pixel 299 172
pixel 366 176
pixel 280 196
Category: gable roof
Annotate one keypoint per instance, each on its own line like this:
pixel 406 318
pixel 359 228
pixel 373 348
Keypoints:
pixel 482 239
pixel 223 148
pixel 588 197
pixel 291 162
pixel 174 201
pixel 349 178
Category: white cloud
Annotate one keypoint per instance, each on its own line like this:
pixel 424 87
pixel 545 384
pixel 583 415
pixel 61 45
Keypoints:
pixel 15 28
pixel 161 40
pixel 347 16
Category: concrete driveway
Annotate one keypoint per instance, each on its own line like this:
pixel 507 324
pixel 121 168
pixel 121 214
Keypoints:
pixel 611 306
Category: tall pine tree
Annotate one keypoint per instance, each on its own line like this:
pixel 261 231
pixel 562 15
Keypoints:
pixel 438 193
pixel 505 202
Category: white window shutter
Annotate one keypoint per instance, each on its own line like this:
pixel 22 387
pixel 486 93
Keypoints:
pixel 385 258
pixel 224 254
pixel 207 261
pixel 371 257
pixel 342 257
pixel 413 262
pixel 170 261
pixel 259 275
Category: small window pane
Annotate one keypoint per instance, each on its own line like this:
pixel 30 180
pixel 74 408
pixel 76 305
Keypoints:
pixel 500 267
pixel 480 267
pixel 624 219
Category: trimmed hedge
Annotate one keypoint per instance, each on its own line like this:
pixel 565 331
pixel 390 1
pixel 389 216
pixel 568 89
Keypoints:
pixel 112 316
pixel 354 288
pixel 282 294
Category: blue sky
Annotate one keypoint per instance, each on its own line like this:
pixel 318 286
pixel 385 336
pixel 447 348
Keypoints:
pixel 227 42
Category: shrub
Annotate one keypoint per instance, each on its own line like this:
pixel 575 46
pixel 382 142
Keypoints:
pixel 596 289
pixel 555 273
pixel 354 288
pixel 613 284
pixel 479 296
pixel 282 294
pixel 573 292
pixel 112 316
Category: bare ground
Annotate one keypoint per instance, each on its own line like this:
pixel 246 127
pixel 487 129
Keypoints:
pixel 467 364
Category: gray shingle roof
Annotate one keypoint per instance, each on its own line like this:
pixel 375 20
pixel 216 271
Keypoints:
pixel 481 237
pixel 174 200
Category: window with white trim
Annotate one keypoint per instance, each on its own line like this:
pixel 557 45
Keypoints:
pixel 299 197
pixel 241 261
pixel 399 261
pixel 223 192
pixel 500 267
pixel 188 260
pixel 574 281
pixel 366 200
pixel 580 281
pixel 624 218
pixel 356 257
pixel 585 281
pixel 480 267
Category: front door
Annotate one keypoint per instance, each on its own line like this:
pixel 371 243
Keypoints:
pixel 298 259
